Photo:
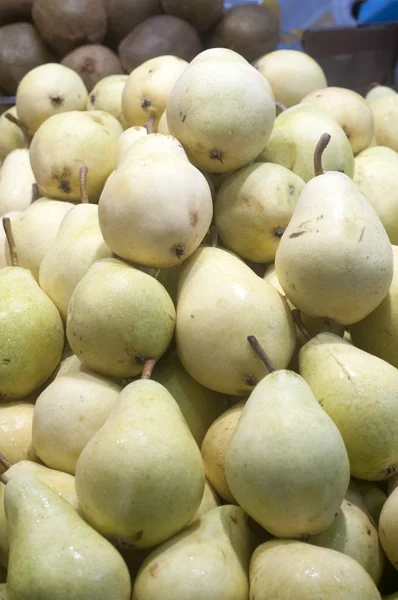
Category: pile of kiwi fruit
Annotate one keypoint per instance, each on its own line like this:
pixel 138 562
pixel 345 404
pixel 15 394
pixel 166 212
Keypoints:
pixel 97 38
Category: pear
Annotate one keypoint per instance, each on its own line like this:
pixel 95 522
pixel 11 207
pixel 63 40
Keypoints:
pixel 209 501
pixel 91 141
pixel 125 140
pixel 286 463
pixel 292 75
pixel 31 334
pixel 77 245
pixel 162 125
pixel 353 533
pixel 107 95
pixel 16 180
pixel 378 332
pixel 385 115
pixel 208 560
pixel 119 317
pixel 350 111
pixel 373 496
pixel 216 140
pixel 378 91
pixel 36 230
pixel 199 405
pixel 333 219
pixel 287 569
pixel 219 55
pixel 254 206
pixel 146 147
pixel 16 431
pixel 68 413
pixel 392 484
pixel 48 90
pixel 220 302
pixel 5 258
pixel 148 88
pixel 359 392
pixel 3 591
pixel 214 449
pixel 11 136
pixel 388 528
pixel 63 557
pixel 140 219
pixel 294 139
pixel 62 483
pixel 140 478
pixel 379 152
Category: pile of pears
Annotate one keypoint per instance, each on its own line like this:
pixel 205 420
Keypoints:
pixel 199 334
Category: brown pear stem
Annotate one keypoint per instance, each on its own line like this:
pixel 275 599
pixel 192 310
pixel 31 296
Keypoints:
pixel 296 314
pixel 319 150
pixel 35 192
pixel 149 125
pixel 148 368
pixel 10 240
pixel 4 479
pixel 214 236
pixel 257 347
pixel 22 127
pixel 83 184
pixel 4 462
pixel 281 106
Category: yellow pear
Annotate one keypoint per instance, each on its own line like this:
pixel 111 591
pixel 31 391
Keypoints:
pixel 16 432
pixel 162 126
pixel 11 136
pixel 378 91
pixel 388 528
pixel 379 152
pixel 125 140
pixel 218 55
pixel 145 147
pixel 107 95
pixel 16 181
pixel 385 115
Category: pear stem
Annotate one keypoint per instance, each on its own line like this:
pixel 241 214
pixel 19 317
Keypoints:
pixel 10 240
pixel 4 462
pixel 148 368
pixel 22 127
pixel 83 184
pixel 281 106
pixel 4 479
pixel 296 314
pixel 35 192
pixel 149 125
pixel 214 236
pixel 257 347
pixel 319 150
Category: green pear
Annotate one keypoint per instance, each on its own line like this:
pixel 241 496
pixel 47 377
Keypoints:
pixel 119 317
pixel 64 143
pixel 78 244
pixel 210 559
pixel 31 334
pixel 287 569
pixel 385 115
pixel 68 413
pixel 16 420
pixel 11 136
pixel 5 259
pixel 295 136
pixel 209 501
pixel 16 180
pixel 360 393
pixel 62 557
pixel 220 302
pixel 36 231
pixel 254 206
pixel 379 152
pixel 199 405
pixel 378 91
pixel 388 528
pixel 286 463
pixel 62 483
pixel 217 140
pixel 140 478
pixel 353 533
pixel 106 95
pixel 125 140
pixel 214 450
pixel 378 332
pixel 334 231
pixel 350 111
pixel 373 496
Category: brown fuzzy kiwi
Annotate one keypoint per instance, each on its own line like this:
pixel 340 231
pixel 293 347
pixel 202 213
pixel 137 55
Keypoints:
pixel 124 15
pixel 201 14
pixel 67 24
pixel 14 11
pixel 21 49
pixel 157 36
pixel 249 29
pixel 93 63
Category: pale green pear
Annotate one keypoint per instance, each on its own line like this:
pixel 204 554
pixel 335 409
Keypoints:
pixel 209 501
pixel 125 140
pixel 53 552
pixel 16 180
pixel 199 405
pixel 68 413
pixel 378 332
pixel 220 302
pixel 388 528
pixel 379 152
pixel 140 478
pixel 78 244
pixel 378 91
pixel 295 136
pixel 208 560
pixel 254 206
pixel 334 231
pixel 31 334
pixel 62 483
pixel 118 318
pixel 16 420
pixel 385 115
pixel 11 136
pixel 360 393
pixel 353 533
pixel 286 463
pixel 286 569
pixel 107 95
pixel 145 146
pixel 373 496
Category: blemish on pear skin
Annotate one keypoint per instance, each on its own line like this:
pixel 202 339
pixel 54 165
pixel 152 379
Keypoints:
pixel 278 232
pixel 361 236
pixel 250 380
pixel 64 186
pixel 193 218
pixel 297 234
pixel 178 250
pixel 146 103
pixel 56 100
pixel 153 569
pixel 217 155
pixel 138 536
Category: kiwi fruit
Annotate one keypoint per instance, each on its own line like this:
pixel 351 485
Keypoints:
pixel 251 29
pixel 158 36
pixel 202 14
pixel 93 63
pixel 13 11
pixel 21 49
pixel 67 24
pixel 124 15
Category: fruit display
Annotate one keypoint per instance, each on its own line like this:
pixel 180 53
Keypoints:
pixel 198 315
